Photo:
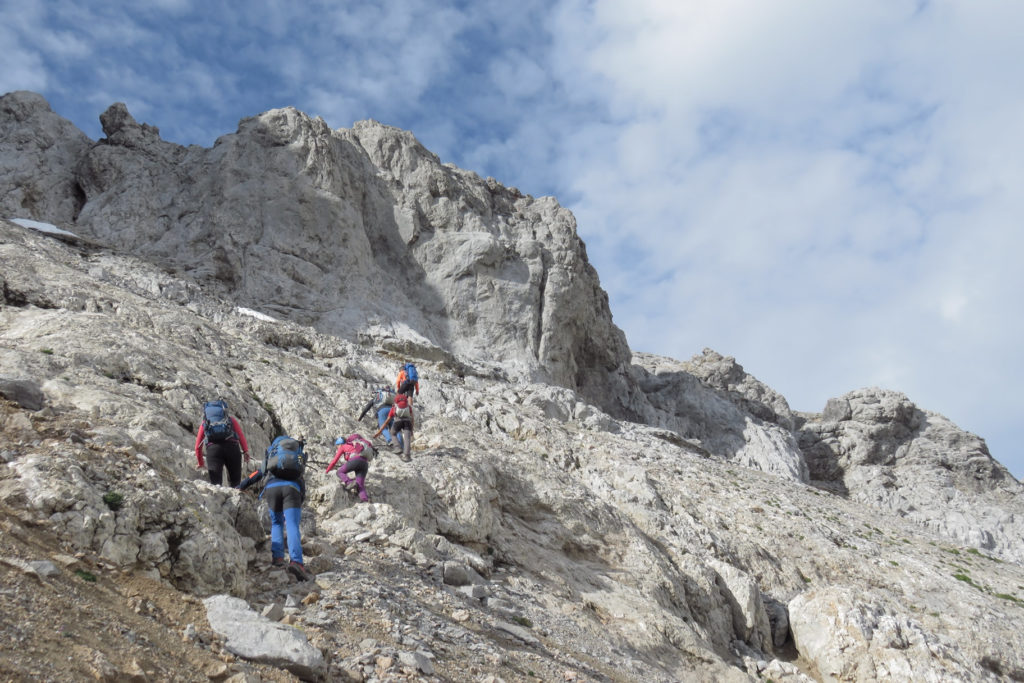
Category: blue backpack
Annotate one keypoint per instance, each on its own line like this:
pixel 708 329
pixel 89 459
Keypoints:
pixel 286 459
pixel 216 423
pixel 410 373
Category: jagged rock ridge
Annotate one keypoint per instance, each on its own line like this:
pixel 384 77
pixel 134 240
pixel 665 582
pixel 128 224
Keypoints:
pixel 684 564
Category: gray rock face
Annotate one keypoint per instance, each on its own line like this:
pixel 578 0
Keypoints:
pixel 712 402
pixel 692 542
pixel 25 393
pixel 292 218
pixel 39 151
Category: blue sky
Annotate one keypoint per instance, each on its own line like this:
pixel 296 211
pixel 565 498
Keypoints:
pixel 829 192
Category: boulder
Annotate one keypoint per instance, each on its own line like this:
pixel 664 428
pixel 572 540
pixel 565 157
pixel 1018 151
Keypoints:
pixel 256 638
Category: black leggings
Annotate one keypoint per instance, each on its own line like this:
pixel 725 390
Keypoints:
pixel 221 456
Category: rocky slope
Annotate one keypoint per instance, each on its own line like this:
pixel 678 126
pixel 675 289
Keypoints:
pixel 537 533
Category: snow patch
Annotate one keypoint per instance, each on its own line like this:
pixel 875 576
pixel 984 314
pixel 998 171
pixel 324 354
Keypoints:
pixel 42 227
pixel 256 314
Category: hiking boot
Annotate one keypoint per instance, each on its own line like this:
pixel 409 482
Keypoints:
pixel 299 571
pixel 278 562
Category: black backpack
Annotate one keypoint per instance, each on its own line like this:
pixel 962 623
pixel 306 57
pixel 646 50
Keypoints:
pixel 286 459
pixel 216 422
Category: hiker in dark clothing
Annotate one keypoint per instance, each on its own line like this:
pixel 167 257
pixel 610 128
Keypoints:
pixel 221 436
pixel 400 418
pixel 284 492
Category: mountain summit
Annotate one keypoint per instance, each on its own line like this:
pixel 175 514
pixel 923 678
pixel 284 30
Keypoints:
pixel 572 510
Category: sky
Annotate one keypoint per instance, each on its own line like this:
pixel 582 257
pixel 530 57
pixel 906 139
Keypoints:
pixel 830 192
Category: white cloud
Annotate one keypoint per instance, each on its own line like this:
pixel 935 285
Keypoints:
pixel 517 75
pixel 21 60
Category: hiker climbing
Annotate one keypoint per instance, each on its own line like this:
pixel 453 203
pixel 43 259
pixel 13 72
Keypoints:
pixel 221 436
pixel 357 452
pixel 284 491
pixel 382 400
pixel 400 418
pixel 408 380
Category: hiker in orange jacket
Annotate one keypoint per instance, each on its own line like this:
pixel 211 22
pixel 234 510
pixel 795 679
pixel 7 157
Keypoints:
pixel 408 381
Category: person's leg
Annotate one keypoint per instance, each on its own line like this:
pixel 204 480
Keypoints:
pixel 360 466
pixel 342 474
pixel 396 434
pixel 292 502
pixel 275 501
pixel 406 443
pixel 215 463
pixel 382 417
pixel 232 457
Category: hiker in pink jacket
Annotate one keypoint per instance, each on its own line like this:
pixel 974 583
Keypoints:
pixel 357 452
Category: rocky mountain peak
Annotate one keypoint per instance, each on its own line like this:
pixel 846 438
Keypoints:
pixel 21 105
pixel 121 128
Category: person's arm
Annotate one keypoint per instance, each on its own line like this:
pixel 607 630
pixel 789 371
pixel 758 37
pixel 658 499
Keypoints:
pixel 241 437
pixel 199 446
pixel 250 480
pixel 336 457
pixel 391 415
pixel 417 387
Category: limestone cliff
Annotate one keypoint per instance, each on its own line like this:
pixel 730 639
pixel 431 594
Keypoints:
pixel 298 220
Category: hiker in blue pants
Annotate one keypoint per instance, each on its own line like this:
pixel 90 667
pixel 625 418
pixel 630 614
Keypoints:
pixel 284 493
pixel 382 400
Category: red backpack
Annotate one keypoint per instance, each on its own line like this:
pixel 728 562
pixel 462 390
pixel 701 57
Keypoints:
pixel 403 411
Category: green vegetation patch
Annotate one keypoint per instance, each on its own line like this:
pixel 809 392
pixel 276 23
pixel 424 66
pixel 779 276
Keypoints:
pixel 114 500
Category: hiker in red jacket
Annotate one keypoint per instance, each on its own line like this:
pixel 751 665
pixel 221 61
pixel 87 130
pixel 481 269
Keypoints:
pixel 222 438
pixel 400 418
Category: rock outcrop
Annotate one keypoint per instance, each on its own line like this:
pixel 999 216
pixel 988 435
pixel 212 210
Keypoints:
pixel 572 510
pixel 39 152
pixel 878 448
